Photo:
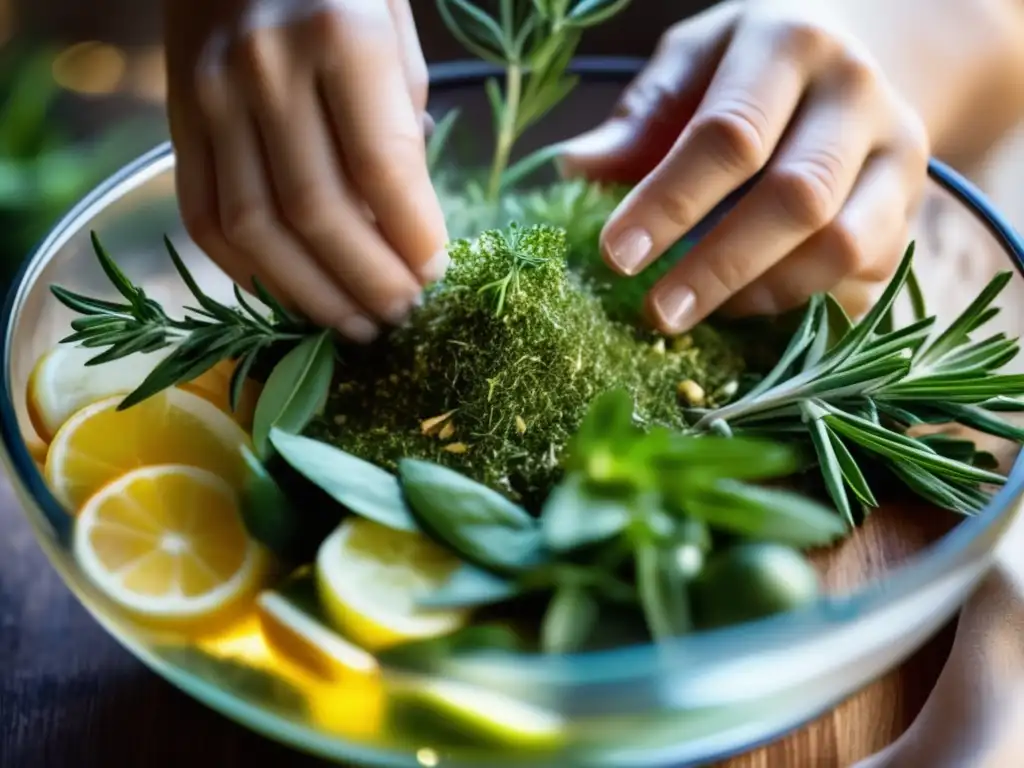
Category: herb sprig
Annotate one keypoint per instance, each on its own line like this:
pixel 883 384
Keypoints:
pixel 855 389
pixel 207 334
pixel 533 41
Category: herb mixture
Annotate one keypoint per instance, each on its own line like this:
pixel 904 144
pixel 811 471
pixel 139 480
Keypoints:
pixel 493 374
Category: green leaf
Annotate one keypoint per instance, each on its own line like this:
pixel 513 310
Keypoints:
pixel 662 592
pixel 831 471
pixel 798 344
pixel 573 516
pixel 957 332
pixel 529 165
pixel 980 419
pixel 470 587
pixel 478 32
pixel 588 13
pixel 359 486
pixel 296 390
pixel 569 620
pixel 765 514
pixel 475 521
pixel 439 138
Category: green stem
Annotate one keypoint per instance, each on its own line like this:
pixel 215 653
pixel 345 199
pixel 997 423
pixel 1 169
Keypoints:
pixel 507 130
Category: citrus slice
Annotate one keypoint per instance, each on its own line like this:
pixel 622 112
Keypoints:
pixel 215 386
pixel 61 383
pixel 292 628
pixel 100 443
pixel 447 706
pixel 369 578
pixel 167 543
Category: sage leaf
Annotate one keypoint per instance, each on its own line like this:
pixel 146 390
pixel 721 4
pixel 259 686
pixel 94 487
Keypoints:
pixel 359 486
pixel 569 620
pixel 573 517
pixel 477 522
pixel 765 514
pixel 470 587
pixel 662 592
pixel 296 390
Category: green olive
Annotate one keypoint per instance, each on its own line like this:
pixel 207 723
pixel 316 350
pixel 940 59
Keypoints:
pixel 752 581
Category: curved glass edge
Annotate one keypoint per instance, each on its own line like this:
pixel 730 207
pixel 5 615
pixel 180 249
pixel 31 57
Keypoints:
pixel 967 541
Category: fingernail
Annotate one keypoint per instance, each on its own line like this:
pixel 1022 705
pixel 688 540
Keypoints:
pixel 428 125
pixel 630 249
pixel 359 329
pixel 434 269
pixel 400 310
pixel 673 306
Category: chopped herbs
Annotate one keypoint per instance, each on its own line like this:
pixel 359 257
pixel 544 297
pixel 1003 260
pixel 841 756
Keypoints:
pixel 492 375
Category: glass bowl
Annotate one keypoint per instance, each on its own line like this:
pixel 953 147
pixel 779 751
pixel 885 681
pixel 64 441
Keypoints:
pixel 704 696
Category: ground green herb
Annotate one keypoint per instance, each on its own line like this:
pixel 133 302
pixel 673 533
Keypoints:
pixel 493 374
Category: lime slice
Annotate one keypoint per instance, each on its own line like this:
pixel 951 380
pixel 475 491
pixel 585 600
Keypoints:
pixel 369 578
pixel 432 706
pixel 291 623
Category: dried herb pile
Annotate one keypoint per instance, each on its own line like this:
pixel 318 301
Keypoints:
pixel 494 372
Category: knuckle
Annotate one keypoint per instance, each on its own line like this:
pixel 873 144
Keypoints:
pixel 200 223
pixel 360 26
pixel 724 277
pixel 306 208
pixel 675 205
pixel 803 41
pixel 915 142
pixel 243 222
pixel 846 249
pixel 735 133
pixel 808 191
pixel 254 61
pixel 857 73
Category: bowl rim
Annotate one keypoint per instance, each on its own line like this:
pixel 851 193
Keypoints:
pixel 967 543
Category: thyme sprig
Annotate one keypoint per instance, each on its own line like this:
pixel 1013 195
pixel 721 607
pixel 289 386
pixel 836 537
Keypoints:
pixel 858 388
pixel 533 41
pixel 207 333
pixel 522 258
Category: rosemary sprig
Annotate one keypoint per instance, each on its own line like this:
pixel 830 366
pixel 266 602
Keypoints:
pixel 534 41
pixel 521 259
pixel 857 388
pixel 204 336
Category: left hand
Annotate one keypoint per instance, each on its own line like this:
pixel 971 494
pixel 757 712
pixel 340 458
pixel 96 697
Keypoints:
pixel 774 86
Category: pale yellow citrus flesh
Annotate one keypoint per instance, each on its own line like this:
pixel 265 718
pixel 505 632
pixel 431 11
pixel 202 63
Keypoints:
pixel 99 443
pixel 369 578
pixel 61 383
pixel 167 543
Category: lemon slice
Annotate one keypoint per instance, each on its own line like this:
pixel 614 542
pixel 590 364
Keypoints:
pixel 369 577
pixel 215 386
pixel 288 618
pixel 100 443
pixel 61 383
pixel 439 706
pixel 167 543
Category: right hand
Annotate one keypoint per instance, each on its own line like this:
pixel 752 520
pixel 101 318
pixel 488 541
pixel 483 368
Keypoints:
pixel 299 132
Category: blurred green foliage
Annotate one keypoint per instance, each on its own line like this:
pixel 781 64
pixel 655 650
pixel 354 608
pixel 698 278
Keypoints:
pixel 44 170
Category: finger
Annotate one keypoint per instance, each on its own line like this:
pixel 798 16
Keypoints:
pixel 735 130
pixel 413 62
pixel 801 192
pixel 863 244
pixel 381 136
pixel 656 106
pixel 249 223
pixel 196 188
pixel 307 179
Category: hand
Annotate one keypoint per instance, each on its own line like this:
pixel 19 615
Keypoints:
pixel 299 132
pixel 773 87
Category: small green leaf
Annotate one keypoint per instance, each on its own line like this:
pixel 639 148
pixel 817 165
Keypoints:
pixel 359 486
pixel 662 592
pixel 957 332
pixel 439 138
pixel 479 523
pixel 296 390
pixel 470 587
pixel 574 517
pixel 765 514
pixel 830 470
pixel 569 620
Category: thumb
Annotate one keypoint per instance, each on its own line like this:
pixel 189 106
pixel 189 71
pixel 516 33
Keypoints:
pixel 656 106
